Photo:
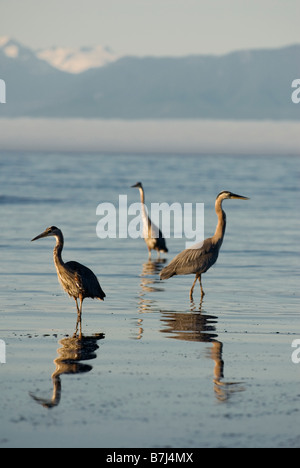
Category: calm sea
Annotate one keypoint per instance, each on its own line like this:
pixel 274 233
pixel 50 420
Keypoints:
pixel 167 372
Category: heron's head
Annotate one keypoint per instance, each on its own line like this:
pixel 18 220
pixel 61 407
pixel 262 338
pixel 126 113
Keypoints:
pixel 49 232
pixel 137 185
pixel 229 195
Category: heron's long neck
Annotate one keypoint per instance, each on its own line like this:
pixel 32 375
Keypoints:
pixel 144 210
pixel 221 226
pixel 142 193
pixel 58 250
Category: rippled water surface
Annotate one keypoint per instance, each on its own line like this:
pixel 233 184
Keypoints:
pixel 153 369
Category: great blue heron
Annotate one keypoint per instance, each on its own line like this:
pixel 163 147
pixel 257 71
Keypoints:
pixel 76 279
pixel 152 234
pixel 199 258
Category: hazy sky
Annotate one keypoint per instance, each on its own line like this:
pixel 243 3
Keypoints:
pixel 153 27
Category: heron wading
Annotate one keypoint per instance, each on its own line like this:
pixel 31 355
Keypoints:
pixel 152 234
pixel 199 258
pixel 76 279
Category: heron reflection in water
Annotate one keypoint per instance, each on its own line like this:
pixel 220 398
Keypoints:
pixel 193 325
pixel 70 355
pixel 201 327
pixel 76 279
pixel 150 276
pixel 150 283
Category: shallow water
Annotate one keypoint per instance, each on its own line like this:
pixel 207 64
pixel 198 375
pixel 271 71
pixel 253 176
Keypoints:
pixel 154 370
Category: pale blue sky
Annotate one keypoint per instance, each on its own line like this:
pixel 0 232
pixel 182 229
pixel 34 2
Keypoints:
pixel 153 27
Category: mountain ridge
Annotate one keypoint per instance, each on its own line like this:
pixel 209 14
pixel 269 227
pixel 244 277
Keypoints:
pixel 243 84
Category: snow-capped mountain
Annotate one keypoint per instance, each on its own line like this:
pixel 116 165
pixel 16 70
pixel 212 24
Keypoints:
pixel 77 60
pixel 14 50
pixel 251 84
pixel 9 47
pixel 67 59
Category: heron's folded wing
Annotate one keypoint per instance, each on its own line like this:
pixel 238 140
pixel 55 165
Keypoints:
pixel 85 279
pixel 192 261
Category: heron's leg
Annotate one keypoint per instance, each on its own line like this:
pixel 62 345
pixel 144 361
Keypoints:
pixel 202 292
pixel 79 316
pixel 76 305
pixel 192 289
pixel 76 331
pixel 149 252
pixel 78 323
pixel 80 329
pixel 75 334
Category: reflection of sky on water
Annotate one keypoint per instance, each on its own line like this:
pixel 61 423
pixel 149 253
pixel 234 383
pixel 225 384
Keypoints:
pixel 193 326
pixel 243 331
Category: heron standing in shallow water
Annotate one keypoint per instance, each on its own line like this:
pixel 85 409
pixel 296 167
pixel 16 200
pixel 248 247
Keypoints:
pixel 199 258
pixel 152 234
pixel 76 279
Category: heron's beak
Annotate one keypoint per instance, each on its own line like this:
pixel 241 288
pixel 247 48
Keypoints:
pixel 239 197
pixel 135 186
pixel 44 234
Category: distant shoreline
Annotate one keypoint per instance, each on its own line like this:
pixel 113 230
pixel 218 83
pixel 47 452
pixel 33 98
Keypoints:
pixel 151 136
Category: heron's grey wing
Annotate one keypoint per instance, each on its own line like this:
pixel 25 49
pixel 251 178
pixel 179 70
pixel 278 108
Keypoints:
pixel 158 237
pixel 154 231
pixel 67 276
pixel 192 261
pixel 85 280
